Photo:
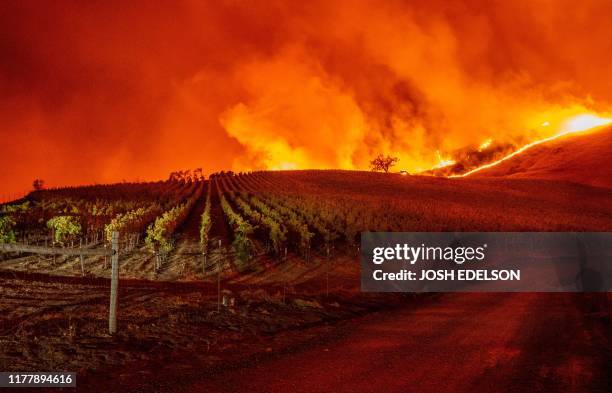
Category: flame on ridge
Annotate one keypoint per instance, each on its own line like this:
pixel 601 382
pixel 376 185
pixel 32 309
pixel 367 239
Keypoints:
pixel 576 124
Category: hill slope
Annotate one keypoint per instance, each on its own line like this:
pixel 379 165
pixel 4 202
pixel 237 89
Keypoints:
pixel 584 158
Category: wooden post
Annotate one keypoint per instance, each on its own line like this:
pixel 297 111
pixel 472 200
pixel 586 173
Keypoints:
pixel 327 274
pixel 81 258
pixel 219 278
pixel 112 317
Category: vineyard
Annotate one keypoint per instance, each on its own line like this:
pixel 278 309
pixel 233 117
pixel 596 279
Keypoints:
pixel 248 223
pixel 235 265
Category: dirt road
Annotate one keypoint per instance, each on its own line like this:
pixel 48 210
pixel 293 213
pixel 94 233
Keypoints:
pixel 468 342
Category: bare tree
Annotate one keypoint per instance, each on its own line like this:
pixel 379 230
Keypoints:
pixel 38 184
pixel 382 163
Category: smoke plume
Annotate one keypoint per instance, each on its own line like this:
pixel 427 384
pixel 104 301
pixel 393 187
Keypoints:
pixel 100 92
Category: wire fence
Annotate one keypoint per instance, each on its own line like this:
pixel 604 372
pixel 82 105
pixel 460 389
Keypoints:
pixel 113 252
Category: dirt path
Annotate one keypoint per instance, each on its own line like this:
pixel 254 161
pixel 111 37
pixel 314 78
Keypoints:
pixel 185 258
pixel 172 340
pixel 472 342
pixel 219 228
pixel 190 230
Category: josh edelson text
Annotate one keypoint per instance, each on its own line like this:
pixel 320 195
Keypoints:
pixel 417 255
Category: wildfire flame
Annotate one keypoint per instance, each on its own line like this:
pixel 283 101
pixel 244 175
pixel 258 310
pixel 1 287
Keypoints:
pixel 443 162
pixel 284 166
pixel 485 144
pixel 576 124
pixel 583 122
pixel 236 85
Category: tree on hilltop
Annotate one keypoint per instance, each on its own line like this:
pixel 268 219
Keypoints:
pixel 38 184
pixel 382 163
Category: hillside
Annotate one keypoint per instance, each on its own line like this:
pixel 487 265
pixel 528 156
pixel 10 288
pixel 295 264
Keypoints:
pixel 583 158
pixel 262 220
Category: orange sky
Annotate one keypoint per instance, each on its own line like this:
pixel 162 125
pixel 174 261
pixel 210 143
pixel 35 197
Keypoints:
pixel 105 91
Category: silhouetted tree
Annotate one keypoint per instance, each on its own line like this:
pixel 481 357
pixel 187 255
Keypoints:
pixel 187 175
pixel 174 176
pixel 198 174
pixel 38 184
pixel 382 163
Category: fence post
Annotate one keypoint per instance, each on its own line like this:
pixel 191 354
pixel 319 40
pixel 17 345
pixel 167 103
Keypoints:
pixel 112 318
pixel 327 267
pixel 81 258
pixel 219 278
pixel 105 258
pixel 327 276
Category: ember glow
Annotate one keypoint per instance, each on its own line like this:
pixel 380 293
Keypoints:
pixel 287 85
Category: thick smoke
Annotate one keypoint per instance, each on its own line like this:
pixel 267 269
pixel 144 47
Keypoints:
pixel 97 92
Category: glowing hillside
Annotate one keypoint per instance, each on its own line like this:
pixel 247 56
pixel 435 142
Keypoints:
pixel 582 158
